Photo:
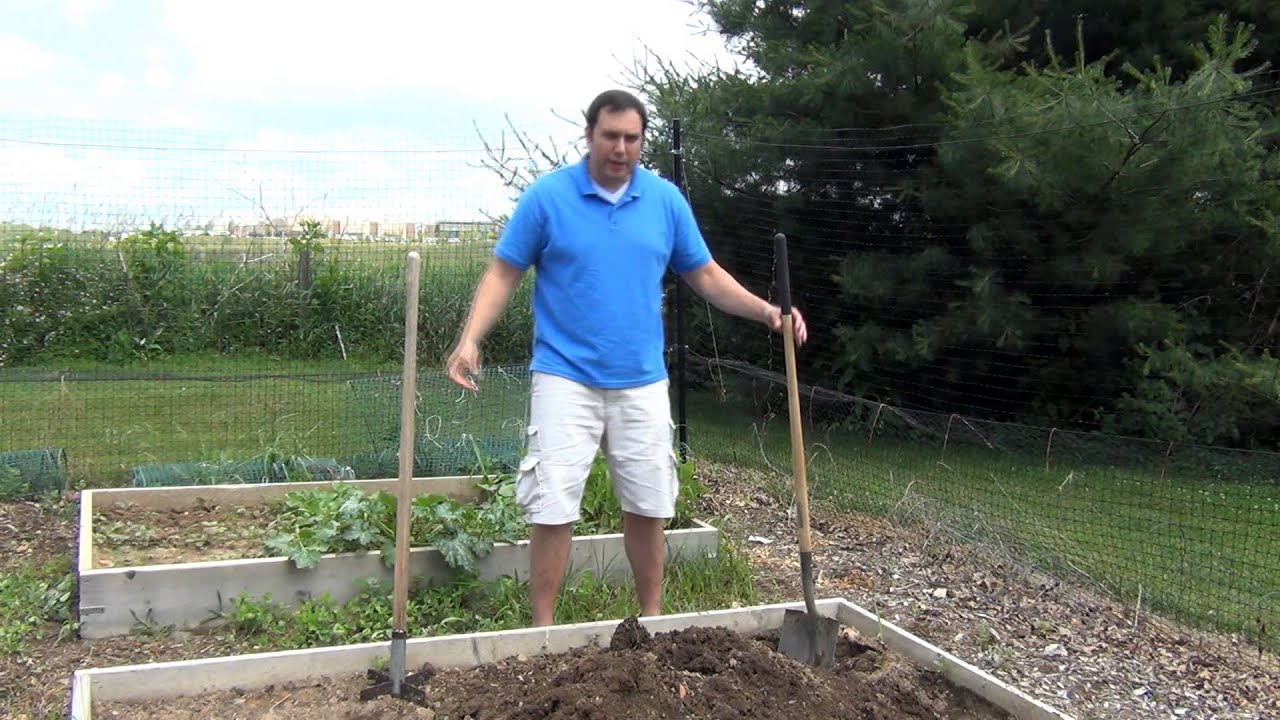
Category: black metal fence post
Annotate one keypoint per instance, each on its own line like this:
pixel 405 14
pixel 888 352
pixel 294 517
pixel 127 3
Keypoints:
pixel 682 415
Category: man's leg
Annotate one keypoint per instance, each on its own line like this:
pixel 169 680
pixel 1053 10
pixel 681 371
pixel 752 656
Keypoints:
pixel 566 422
pixel 638 444
pixel 646 551
pixel 548 557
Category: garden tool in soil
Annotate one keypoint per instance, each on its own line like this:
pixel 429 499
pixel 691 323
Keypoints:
pixel 807 635
pixel 394 681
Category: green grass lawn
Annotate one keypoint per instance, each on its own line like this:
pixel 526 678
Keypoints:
pixel 1197 536
pixel 1201 542
pixel 199 409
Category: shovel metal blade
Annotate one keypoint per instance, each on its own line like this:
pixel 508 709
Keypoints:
pixel 809 637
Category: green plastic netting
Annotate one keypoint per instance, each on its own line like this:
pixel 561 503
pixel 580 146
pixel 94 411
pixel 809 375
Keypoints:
pixel 235 472
pixel 26 474
pixel 456 431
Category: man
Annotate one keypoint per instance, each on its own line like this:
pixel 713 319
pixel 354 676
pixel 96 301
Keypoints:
pixel 601 234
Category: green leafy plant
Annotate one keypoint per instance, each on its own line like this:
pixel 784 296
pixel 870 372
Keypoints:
pixel 12 486
pixel 155 295
pixel 311 236
pixel 602 511
pixel 464 603
pixel 342 518
pixel 31 596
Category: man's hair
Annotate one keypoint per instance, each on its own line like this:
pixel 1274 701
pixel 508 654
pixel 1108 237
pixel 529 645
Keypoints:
pixel 616 100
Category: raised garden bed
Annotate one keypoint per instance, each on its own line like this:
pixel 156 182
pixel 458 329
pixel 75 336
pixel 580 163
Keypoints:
pixel 215 543
pixel 714 664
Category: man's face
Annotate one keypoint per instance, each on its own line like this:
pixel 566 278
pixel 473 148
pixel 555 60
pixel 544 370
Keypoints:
pixel 614 146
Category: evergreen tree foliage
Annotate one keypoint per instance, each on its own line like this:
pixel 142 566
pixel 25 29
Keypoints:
pixel 1084 238
pixel 1133 32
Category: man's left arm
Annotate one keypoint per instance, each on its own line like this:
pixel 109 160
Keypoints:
pixel 692 260
pixel 721 289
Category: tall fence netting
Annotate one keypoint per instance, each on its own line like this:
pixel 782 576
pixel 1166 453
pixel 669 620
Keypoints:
pixel 185 309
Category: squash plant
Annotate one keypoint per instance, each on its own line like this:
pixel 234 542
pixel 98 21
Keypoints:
pixel 342 518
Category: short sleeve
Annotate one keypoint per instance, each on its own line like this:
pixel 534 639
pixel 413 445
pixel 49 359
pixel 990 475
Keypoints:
pixel 523 239
pixel 690 251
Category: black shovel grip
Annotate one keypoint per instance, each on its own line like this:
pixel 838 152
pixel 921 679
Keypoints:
pixel 783 272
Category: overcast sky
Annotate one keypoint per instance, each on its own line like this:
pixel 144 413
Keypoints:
pixel 261 76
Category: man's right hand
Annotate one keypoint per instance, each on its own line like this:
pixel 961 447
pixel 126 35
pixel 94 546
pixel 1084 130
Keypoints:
pixel 464 364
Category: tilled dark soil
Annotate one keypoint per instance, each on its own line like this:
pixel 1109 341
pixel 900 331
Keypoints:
pixel 710 673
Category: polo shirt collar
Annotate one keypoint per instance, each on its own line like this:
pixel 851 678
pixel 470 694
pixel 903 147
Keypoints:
pixel 582 177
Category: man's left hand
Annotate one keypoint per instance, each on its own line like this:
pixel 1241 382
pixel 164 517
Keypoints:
pixel 774 320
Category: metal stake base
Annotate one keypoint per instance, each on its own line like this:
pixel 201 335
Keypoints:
pixel 393 682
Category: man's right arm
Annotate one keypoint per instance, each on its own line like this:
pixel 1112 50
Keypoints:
pixel 492 295
pixel 518 249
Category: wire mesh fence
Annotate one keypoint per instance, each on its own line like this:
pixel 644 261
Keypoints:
pixel 989 354
pixel 1185 530
pixel 183 307
pixel 145 428
pixel 28 474
pixel 263 344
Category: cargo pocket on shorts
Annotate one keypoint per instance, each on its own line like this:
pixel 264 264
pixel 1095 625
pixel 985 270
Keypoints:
pixel 529 489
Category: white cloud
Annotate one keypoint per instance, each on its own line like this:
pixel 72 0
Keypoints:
pixel 45 180
pixel 158 74
pixel 78 11
pixel 70 187
pixel 33 80
pixel 539 55
pixel 111 84
pixel 201 58
pixel 21 59
pixel 159 78
pixel 377 173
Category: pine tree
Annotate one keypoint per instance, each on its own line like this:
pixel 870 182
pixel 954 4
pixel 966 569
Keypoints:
pixel 1076 239
pixel 1106 229
pixel 1134 32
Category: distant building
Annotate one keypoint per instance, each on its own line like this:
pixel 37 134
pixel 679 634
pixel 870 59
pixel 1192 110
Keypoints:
pixel 467 231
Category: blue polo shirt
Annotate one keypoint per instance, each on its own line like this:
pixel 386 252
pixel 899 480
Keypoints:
pixel 597 298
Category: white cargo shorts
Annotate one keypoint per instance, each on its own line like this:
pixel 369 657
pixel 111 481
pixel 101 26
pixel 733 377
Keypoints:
pixel 569 422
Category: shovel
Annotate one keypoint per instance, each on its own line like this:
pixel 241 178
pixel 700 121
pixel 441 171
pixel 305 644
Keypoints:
pixel 394 682
pixel 807 635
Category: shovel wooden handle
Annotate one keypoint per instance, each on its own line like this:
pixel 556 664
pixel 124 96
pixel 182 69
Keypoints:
pixel 798 469
pixel 793 390
pixel 408 396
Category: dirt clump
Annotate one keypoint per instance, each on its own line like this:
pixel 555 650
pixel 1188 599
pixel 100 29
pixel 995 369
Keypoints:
pixel 701 672
pixel 629 635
